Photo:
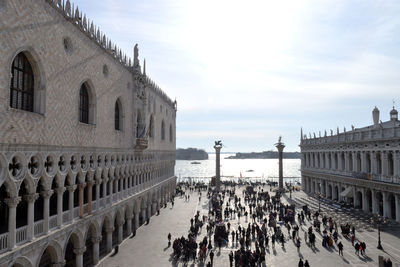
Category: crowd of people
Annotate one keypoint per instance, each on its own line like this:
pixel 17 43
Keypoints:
pixel 262 222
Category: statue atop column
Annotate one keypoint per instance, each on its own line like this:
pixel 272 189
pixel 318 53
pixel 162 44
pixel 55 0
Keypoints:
pixel 280 146
pixel 217 147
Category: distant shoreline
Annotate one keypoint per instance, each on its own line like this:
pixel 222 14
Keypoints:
pixel 265 155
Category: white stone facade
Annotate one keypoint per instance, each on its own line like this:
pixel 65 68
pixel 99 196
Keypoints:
pixel 361 166
pixel 71 190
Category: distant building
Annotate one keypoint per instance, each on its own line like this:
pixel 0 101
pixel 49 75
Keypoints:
pixel 360 166
pixel 87 140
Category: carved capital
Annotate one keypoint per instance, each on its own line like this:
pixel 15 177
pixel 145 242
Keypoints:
pixel 47 193
pixel 71 188
pixel 97 182
pixel 79 251
pixel 12 202
pixel 31 197
pixel 60 190
pixel 96 239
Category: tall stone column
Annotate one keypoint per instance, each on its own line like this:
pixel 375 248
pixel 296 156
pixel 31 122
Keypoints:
pixel 346 161
pixel 397 198
pixel 90 197
pixel 71 190
pixel 327 193
pixel 111 191
pixel 385 163
pixel 129 224
pixel 120 230
pixel 95 241
pixel 356 168
pixel 46 203
pixel 365 203
pixel 374 206
pixel 109 238
pixel 217 147
pixel 374 164
pixel 79 256
pixel 363 161
pixel 60 191
pixel 280 146
pixel 12 204
pixel 104 191
pixel 31 198
pixel 385 204
pixel 98 182
pixel 355 201
pixel 81 191
pixel 396 165
pixel 137 220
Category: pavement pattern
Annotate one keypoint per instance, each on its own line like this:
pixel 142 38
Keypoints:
pixel 149 248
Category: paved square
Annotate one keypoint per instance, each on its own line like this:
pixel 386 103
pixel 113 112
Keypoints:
pixel 149 246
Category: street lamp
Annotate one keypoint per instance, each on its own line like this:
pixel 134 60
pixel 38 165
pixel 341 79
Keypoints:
pixel 378 220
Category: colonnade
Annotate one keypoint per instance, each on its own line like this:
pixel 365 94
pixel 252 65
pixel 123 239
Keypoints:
pixel 367 198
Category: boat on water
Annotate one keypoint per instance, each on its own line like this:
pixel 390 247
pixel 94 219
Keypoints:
pixel 195 162
pixel 250 171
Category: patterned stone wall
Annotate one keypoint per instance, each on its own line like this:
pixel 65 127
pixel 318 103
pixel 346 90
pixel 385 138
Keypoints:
pixel 40 30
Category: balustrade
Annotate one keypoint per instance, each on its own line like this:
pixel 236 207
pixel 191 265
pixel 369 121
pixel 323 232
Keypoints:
pixel 3 242
pixel 21 235
pixel 39 228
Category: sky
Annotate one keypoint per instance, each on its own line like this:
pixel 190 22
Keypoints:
pixel 246 72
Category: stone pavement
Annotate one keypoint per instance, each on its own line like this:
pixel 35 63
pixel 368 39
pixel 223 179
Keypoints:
pixel 149 246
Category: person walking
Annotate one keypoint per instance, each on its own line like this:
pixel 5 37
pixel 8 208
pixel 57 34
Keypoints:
pixel 305 236
pixel 231 258
pixel 306 264
pixel 298 244
pixel 340 246
pixel 357 248
pixel 211 257
pixel 169 239
pixel 301 264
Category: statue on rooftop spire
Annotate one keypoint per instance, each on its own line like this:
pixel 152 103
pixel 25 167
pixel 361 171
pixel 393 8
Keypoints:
pixel 136 56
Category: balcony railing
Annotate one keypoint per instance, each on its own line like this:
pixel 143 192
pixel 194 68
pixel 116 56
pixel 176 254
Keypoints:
pixel 21 234
pixel 53 222
pixel 38 228
pixel 3 242
pixel 65 216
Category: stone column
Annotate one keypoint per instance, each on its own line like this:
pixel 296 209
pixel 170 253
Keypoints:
pixel 144 214
pixel 98 182
pixel 356 168
pixel 31 198
pixel 355 201
pixel 396 165
pixel 346 161
pixel 81 191
pixel 374 164
pixel 71 190
pixel 148 210
pixel 397 198
pixel 137 220
pixel 327 193
pixel 60 191
pixel 46 197
pixel 129 224
pixel 95 241
pixel 340 167
pixel 104 191
pixel 79 256
pixel 12 213
pixel 111 190
pixel 90 186
pixel 217 148
pixel 386 209
pixel 363 161
pixel 385 165
pixel 365 202
pixel 109 238
pixel 120 231
pixel 280 146
pixel 374 206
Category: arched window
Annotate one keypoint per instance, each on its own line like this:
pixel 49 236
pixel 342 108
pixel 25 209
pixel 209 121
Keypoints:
pixel 117 117
pixel 170 133
pixel 22 83
pixel 162 130
pixel 151 126
pixel 84 104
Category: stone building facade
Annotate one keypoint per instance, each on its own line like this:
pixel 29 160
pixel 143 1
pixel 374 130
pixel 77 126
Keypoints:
pixel 361 166
pixel 87 139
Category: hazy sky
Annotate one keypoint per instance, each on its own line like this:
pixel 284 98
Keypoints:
pixel 245 72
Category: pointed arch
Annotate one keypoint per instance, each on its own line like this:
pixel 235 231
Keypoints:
pixel 87 103
pixel 118 115
pixel 162 130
